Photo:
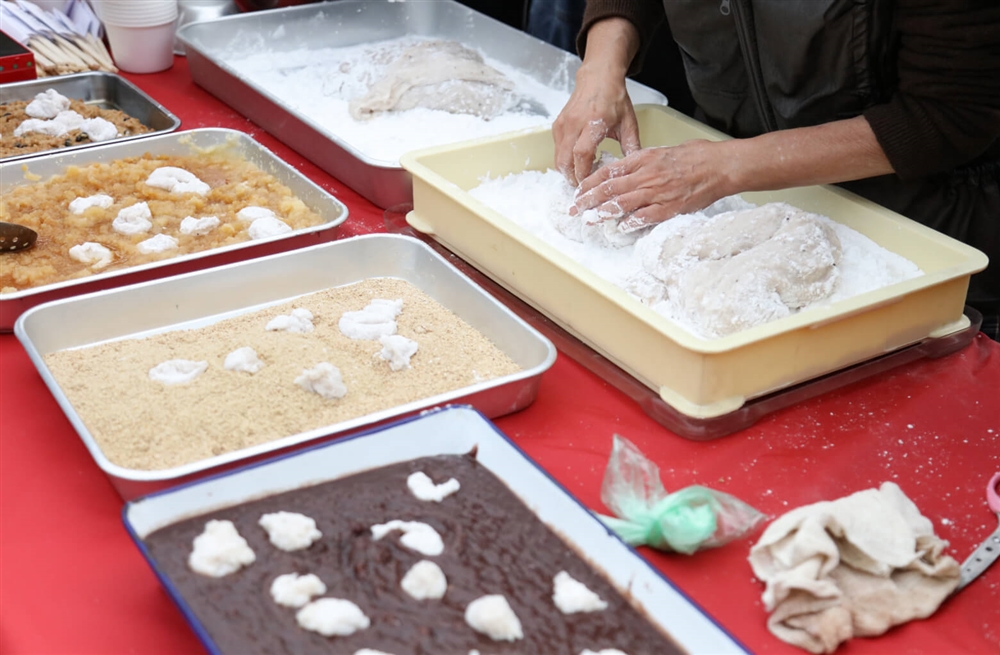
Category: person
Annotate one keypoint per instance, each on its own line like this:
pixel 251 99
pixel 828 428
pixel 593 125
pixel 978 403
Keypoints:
pixel 897 101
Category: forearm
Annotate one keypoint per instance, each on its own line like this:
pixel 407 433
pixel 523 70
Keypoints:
pixel 612 43
pixel 823 154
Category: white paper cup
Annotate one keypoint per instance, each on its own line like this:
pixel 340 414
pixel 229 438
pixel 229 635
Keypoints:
pixel 147 49
pixel 137 13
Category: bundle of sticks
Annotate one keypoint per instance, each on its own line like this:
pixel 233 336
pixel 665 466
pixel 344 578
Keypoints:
pixel 58 55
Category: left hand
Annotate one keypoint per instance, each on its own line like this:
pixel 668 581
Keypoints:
pixel 654 184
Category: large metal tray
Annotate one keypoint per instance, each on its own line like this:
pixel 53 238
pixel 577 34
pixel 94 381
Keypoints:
pixel 107 91
pixel 213 45
pixel 197 298
pixel 699 378
pixel 13 174
pixel 455 430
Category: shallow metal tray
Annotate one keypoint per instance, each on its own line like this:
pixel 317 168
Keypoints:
pixel 197 298
pixel 212 45
pixel 107 91
pixel 13 174
pixel 455 430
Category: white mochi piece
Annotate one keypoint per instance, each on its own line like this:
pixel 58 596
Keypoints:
pixel 572 596
pixel 298 320
pixel 492 616
pixel 99 129
pixel 369 651
pixel 425 579
pixel 133 219
pixel 424 488
pixel 157 243
pixel 332 617
pixel 294 590
pixel 81 205
pixel 199 226
pixel 177 371
pixel 323 379
pixel 376 320
pixel 416 536
pixel 268 227
pixel 219 550
pixel 70 120
pixel 91 253
pixel 47 104
pixel 397 350
pixel 243 360
pixel 48 128
pixel 290 530
pixel 252 213
pixel 603 651
pixel 177 180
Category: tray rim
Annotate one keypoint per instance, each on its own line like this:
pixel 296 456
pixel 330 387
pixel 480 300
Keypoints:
pixel 229 133
pixel 489 432
pixel 295 441
pixel 175 121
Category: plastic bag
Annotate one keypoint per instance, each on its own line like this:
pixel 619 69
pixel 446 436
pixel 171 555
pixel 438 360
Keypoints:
pixel 685 521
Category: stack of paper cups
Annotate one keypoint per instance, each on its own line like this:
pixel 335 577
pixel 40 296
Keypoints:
pixel 140 33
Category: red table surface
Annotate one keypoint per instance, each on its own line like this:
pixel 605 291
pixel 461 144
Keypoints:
pixel 72 581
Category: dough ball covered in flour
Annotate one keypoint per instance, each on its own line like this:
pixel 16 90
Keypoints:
pixel 443 75
pixel 741 268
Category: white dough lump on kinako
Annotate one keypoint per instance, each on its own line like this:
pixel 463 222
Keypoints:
pixel 742 268
pixel 443 75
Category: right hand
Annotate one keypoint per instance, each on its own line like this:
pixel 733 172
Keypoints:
pixel 598 108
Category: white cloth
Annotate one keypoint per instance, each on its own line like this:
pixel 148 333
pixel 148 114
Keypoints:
pixel 852 567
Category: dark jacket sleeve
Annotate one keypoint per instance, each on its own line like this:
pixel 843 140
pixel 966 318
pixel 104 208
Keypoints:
pixel 946 108
pixel 646 15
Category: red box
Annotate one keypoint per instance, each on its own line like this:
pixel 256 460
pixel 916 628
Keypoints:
pixel 17 63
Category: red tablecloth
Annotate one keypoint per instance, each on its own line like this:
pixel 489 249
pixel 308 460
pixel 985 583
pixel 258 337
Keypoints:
pixel 73 582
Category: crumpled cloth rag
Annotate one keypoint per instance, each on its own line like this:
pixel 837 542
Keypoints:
pixel 852 567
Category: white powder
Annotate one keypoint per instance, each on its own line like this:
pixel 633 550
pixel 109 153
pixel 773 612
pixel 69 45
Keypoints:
pixel 81 205
pixel 157 243
pixel 324 379
pixel 377 319
pixel 572 596
pixel 90 252
pixel 290 530
pixel 539 202
pixel 319 83
pixel 294 590
pixel 398 350
pixel 332 617
pixel 243 360
pixel 492 615
pixel 199 226
pixel 177 371
pixel 424 580
pixel 219 550
pixel 416 536
pixel 423 487
pixel 177 180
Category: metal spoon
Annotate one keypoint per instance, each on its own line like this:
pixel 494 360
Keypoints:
pixel 14 237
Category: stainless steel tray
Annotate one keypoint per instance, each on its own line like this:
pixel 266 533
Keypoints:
pixel 213 45
pixel 107 91
pixel 178 143
pixel 200 297
pixel 455 430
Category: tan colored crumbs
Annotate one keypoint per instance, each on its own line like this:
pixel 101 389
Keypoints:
pixel 142 424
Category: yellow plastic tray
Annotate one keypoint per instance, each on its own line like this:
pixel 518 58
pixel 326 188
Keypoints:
pixel 700 378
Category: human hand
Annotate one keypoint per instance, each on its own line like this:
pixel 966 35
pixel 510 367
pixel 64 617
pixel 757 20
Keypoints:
pixel 654 184
pixel 598 108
